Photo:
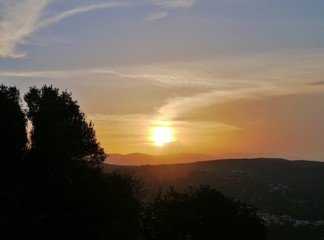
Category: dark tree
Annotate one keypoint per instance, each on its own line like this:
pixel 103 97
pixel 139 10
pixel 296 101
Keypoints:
pixel 201 213
pixel 13 141
pixel 62 192
pixel 61 170
pixel 60 133
pixel 13 137
pixel 57 190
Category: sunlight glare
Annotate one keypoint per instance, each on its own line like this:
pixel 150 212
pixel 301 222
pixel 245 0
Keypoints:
pixel 161 135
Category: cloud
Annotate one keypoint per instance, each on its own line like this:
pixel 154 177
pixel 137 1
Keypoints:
pixel 78 10
pixel 174 89
pixel 20 19
pixel 174 108
pixel 317 83
pixel 59 74
pixel 155 16
pixel 175 3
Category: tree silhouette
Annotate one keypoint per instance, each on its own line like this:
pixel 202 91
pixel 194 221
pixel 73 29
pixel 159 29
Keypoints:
pixel 13 137
pixel 200 213
pixel 13 141
pixel 64 193
pixel 60 133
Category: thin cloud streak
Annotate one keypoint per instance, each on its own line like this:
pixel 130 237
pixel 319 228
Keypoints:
pixel 175 3
pixel 20 19
pixel 155 16
pixel 239 72
pixel 76 11
pixel 317 83
pixel 210 81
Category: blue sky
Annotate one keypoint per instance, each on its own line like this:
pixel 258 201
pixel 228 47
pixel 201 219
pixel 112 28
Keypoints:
pixel 243 76
pixel 156 29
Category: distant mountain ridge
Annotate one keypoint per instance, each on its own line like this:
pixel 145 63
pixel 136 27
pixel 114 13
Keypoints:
pixel 136 159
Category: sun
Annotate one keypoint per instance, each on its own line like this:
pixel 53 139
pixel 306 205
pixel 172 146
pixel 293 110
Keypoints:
pixel 161 135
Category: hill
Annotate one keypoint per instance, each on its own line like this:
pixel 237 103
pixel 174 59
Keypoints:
pixel 286 192
pixel 276 185
pixel 136 159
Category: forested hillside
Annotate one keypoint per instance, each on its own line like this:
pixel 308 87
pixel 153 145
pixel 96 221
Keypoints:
pixel 288 194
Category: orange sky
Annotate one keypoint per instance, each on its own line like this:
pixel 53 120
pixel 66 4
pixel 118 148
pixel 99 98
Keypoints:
pixel 230 107
pixel 242 78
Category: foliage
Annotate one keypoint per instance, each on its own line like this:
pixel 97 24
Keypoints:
pixel 58 190
pixel 92 206
pixel 124 206
pixel 201 213
pixel 60 132
pixel 13 141
pixel 288 232
pixel 13 137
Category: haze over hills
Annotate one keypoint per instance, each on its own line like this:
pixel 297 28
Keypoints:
pixel 289 194
pixel 275 185
pixel 137 159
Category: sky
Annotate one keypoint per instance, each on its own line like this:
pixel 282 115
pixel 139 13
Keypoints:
pixel 236 77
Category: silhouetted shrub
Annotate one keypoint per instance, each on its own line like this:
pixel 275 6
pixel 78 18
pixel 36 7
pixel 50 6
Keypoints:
pixel 13 137
pixel 201 213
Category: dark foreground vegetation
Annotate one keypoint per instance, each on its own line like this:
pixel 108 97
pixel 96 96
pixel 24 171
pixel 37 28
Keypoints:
pixel 277 186
pixel 52 185
pixel 288 194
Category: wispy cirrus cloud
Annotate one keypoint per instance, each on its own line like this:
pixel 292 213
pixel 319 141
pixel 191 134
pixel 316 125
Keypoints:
pixel 205 81
pixel 20 19
pixel 155 16
pixel 167 4
pixel 175 3
pixel 76 11
pixel 317 83
pixel 17 21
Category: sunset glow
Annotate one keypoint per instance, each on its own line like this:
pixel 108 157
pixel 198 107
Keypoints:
pixel 224 78
pixel 161 135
